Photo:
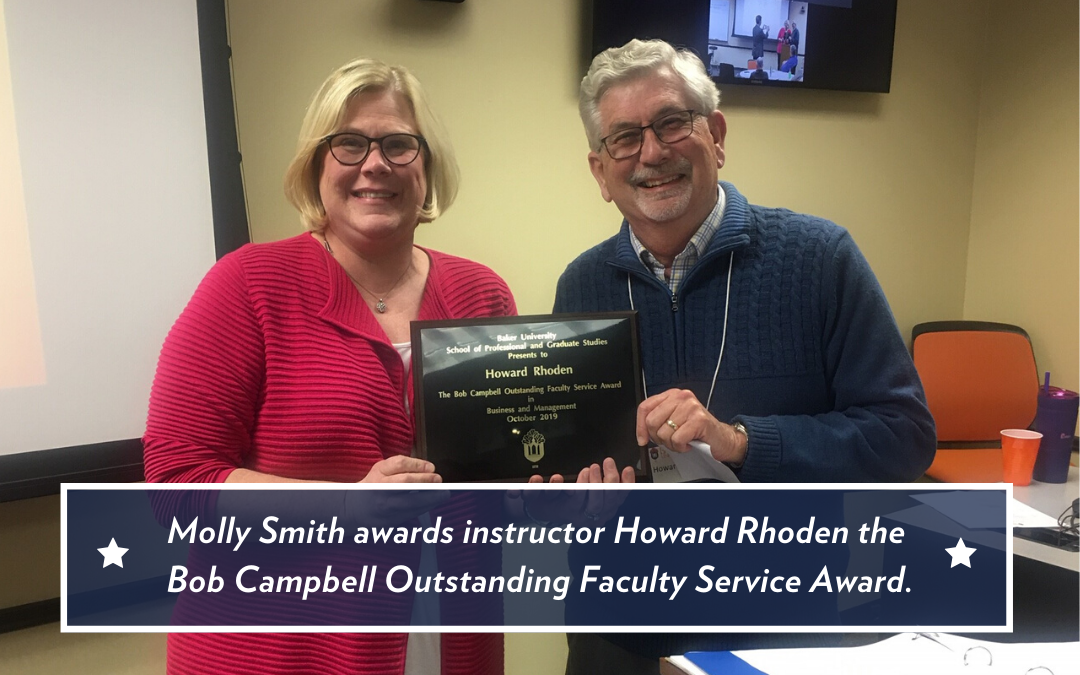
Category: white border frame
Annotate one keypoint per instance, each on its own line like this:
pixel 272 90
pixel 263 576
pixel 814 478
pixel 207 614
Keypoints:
pixel 871 487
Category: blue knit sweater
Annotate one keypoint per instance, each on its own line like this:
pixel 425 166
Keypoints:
pixel 813 365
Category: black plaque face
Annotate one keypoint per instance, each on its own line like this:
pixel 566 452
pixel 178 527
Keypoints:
pixel 506 398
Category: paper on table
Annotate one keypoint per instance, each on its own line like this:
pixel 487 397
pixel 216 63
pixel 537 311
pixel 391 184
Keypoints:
pixel 1026 516
pixel 698 463
pixel 713 663
pixel 907 653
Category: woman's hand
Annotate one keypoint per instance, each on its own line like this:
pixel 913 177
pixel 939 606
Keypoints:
pixel 381 508
pixel 402 469
pixel 393 507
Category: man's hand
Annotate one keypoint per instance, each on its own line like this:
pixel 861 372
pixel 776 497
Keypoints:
pixel 579 507
pixel 609 473
pixel 676 417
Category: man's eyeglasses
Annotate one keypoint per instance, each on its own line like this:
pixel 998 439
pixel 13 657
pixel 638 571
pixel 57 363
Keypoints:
pixel 671 128
pixel 351 149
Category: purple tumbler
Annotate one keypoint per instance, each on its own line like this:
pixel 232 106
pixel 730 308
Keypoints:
pixel 1056 421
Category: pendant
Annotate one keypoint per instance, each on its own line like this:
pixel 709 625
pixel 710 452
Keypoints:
pixel 380 306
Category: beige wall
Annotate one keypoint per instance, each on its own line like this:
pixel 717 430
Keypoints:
pixel 1022 264
pixel 502 75
pixel 896 170
pixel 954 158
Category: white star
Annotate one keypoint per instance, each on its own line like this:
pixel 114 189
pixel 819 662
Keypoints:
pixel 961 555
pixel 114 555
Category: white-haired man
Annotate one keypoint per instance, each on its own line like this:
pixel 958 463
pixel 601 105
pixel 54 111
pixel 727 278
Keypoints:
pixel 764 333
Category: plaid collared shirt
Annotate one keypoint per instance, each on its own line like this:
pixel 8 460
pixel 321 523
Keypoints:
pixel 686 260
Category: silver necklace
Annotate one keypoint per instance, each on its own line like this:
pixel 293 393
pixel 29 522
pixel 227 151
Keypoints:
pixel 380 298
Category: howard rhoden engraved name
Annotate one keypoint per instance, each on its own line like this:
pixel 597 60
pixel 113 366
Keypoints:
pixel 537 371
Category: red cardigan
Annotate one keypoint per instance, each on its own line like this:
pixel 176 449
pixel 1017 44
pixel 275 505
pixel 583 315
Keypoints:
pixel 278 365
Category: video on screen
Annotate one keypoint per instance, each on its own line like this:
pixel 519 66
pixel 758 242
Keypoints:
pixel 760 40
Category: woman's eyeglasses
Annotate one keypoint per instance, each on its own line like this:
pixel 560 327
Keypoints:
pixel 351 148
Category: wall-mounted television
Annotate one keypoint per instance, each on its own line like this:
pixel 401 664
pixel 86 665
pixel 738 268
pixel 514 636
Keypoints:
pixel 826 44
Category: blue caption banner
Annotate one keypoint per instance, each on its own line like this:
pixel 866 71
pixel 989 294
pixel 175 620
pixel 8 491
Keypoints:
pixel 702 557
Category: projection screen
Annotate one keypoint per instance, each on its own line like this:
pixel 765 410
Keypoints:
pixel 106 220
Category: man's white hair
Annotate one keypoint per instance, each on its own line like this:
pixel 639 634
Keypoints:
pixel 639 58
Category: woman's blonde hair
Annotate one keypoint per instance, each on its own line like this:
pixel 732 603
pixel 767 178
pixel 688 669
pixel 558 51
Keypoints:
pixel 326 115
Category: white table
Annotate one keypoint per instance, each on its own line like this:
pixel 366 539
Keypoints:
pixel 774 75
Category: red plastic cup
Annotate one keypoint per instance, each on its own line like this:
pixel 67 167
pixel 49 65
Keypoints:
pixel 1019 448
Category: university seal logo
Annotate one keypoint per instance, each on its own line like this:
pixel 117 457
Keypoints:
pixel 534 445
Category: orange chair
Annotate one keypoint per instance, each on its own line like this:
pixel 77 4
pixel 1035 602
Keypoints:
pixel 980 378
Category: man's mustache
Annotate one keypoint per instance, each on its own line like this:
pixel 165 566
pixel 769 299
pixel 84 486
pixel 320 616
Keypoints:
pixel 681 165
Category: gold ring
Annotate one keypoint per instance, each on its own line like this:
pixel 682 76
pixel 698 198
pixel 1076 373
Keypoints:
pixel 674 427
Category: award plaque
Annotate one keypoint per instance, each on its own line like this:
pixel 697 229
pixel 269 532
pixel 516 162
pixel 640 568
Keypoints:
pixel 505 398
